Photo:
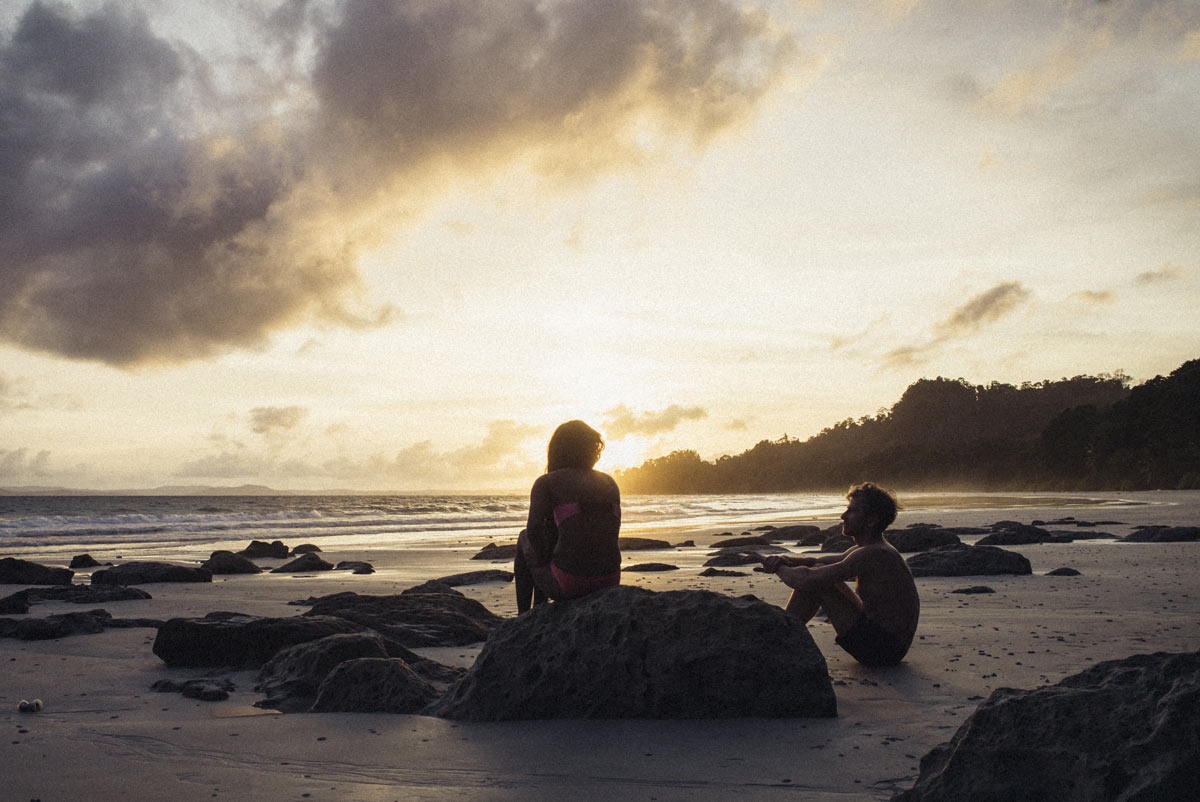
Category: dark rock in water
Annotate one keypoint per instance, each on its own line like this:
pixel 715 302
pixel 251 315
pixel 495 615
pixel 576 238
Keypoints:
pixel 206 689
pixel 374 685
pixel 303 564
pixel 88 594
pixel 239 641
pixel 476 577
pixel 627 652
pixel 305 548
pixel 1164 534
pixel 649 568
pixel 805 534
pixel 743 541
pixel 144 573
pixel 1121 730
pixel 15 604
pixel 837 544
pixel 1063 572
pixel 687 544
pixel 54 626
pixel 84 561
pixel 974 589
pixel 355 566
pixel 427 615
pixel 641 544
pixel 226 562
pixel 293 676
pixel 261 549
pixel 493 552
pixel 23 572
pixel 732 558
pixel 919 538
pixel 1018 535
pixel 963 560
pixel 721 572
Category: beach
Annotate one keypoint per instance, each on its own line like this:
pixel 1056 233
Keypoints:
pixel 104 735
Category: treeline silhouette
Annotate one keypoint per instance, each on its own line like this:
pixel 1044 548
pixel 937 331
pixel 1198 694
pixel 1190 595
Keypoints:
pixel 1084 433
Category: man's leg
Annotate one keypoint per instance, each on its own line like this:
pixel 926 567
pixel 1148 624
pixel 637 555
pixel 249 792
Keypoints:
pixel 840 603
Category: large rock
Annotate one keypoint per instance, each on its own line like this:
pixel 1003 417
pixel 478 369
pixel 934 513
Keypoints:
pixel 1164 534
pixel 427 615
pixel 84 561
pixel 1015 535
pixel 309 561
pixel 920 538
pixel 476 577
pixel 1121 730
pixel 837 544
pixel 293 676
pixel 239 641
pixel 627 652
pixel 54 626
pixel 959 559
pixel 804 534
pixel 642 544
pixel 374 685
pixel 493 552
pixel 732 558
pixel 259 549
pixel 16 603
pixel 23 572
pixel 87 594
pixel 226 562
pixel 759 540
pixel 144 573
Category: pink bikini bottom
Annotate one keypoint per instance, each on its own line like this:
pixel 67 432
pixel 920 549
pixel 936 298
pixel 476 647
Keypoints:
pixel 573 586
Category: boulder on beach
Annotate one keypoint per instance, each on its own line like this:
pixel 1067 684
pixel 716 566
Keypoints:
pixel 293 676
pixel 144 573
pixel 234 640
pixel 226 562
pixel 641 544
pixel 476 577
pixel 837 544
pixel 15 603
pixel 1064 571
pixel 1015 535
pixel 493 552
pixel 206 689
pixel 1121 730
pixel 628 652
pixel 431 614
pixel 731 558
pixel 24 572
pixel 305 548
pixel 55 626
pixel 259 549
pixel 758 540
pixel 1164 534
pixel 309 561
pixel 374 685
pixel 804 534
pixel 974 590
pixel 959 559
pixel 84 561
pixel 650 568
pixel 721 572
pixel 919 538
pixel 355 567
pixel 87 594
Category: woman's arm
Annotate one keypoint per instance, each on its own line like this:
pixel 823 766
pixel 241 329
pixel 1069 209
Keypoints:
pixel 539 538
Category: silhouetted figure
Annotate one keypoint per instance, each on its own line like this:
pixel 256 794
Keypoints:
pixel 875 625
pixel 569 545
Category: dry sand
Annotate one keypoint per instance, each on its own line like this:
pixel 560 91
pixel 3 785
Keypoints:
pixel 104 735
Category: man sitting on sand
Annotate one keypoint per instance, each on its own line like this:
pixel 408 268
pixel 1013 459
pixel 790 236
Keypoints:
pixel 877 624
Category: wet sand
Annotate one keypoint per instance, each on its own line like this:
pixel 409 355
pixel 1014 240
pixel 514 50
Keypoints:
pixel 104 735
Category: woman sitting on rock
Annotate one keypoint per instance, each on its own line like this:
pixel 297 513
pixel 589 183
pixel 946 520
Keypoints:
pixel 569 545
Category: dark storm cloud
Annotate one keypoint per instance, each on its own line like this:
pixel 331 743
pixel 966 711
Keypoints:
pixel 621 420
pixel 152 211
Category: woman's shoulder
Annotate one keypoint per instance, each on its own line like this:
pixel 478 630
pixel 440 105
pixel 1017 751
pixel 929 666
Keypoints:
pixel 569 480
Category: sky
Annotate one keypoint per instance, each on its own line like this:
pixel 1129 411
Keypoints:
pixel 391 245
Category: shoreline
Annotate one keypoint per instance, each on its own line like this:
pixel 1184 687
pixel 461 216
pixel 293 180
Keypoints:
pixel 103 733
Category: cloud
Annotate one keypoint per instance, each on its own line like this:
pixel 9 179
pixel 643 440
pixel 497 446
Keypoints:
pixel 15 396
pixel 156 206
pixel 1167 272
pixel 737 425
pixel 621 420
pixel 264 420
pixel 1095 297
pixel 984 308
pixel 17 464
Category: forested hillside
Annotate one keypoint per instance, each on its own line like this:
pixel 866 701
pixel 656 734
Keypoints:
pixel 1088 432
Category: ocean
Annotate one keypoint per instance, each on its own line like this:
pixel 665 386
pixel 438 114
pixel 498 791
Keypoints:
pixel 147 527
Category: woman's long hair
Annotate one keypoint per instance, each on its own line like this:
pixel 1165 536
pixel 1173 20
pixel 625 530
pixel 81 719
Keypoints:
pixel 574 444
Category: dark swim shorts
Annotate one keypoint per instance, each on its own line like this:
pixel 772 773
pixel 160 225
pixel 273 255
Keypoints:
pixel 872 645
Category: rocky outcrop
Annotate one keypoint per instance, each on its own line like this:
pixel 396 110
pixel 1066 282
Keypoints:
pixel 310 561
pixel 963 560
pixel 803 534
pixel 84 561
pixel 743 541
pixel 355 567
pixel 920 538
pixel 476 577
pixel 1121 730
pixel 16 603
pixel 87 594
pixel 1064 571
pixel 974 590
pixel 627 652
pixel 305 548
pixel 293 676
pixel 1014 534
pixel 837 544
pixel 54 626
pixel 641 544
pixel 145 573
pixel 259 549
pixel 650 568
pixel 1164 534
pixel 239 641
pixel 732 558
pixel 226 562
pixel 23 572
pixel 374 685
pixel 493 552
pixel 427 615
pixel 721 572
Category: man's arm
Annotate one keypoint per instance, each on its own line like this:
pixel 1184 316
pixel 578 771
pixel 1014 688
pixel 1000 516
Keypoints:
pixel 774 562
pixel 843 568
